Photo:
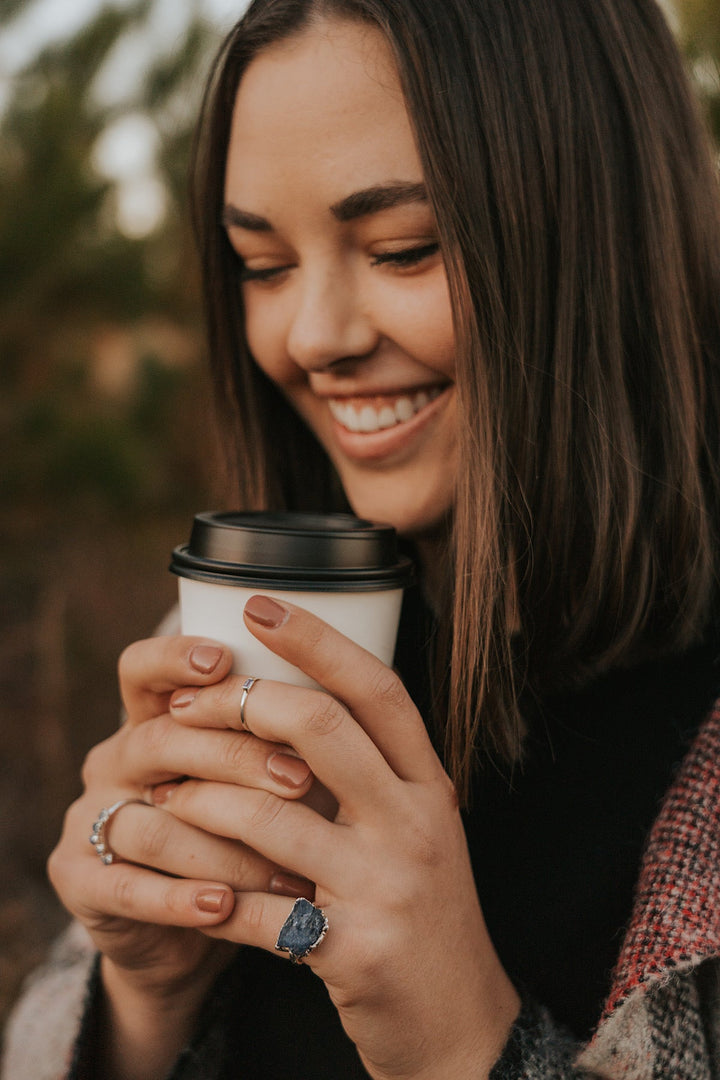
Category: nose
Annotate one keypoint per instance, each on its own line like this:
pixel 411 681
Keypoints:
pixel 329 322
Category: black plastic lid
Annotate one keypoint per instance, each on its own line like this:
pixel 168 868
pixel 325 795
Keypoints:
pixel 309 552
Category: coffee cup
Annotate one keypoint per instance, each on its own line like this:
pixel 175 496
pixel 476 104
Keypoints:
pixel 346 570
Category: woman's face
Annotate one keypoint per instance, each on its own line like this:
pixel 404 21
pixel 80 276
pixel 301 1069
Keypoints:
pixel 343 283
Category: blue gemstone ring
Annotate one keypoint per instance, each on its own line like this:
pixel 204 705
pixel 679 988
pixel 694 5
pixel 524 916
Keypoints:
pixel 302 931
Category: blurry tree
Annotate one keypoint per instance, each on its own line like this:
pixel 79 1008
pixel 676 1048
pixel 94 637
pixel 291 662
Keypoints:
pixel 103 431
pixel 700 37
pixel 71 278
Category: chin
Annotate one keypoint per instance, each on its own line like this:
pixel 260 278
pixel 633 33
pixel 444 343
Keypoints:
pixel 411 520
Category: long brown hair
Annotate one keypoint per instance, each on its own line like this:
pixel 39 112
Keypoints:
pixel 578 211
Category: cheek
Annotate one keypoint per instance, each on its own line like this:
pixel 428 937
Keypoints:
pixel 423 325
pixel 265 337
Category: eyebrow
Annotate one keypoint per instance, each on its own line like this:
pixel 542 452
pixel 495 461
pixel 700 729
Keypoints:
pixel 360 204
pixel 374 199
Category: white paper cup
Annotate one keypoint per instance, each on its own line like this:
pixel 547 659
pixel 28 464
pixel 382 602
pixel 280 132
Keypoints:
pixel 343 569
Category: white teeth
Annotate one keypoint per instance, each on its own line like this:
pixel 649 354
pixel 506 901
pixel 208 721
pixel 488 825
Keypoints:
pixel 368 419
pixel 352 420
pixel 404 409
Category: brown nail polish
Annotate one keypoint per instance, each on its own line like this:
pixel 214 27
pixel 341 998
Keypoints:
pixel 205 658
pixel 289 885
pixel 162 792
pixel 183 699
pixel 266 612
pixel 290 771
pixel 211 900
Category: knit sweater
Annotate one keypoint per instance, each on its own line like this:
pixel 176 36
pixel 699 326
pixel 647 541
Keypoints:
pixel 661 1020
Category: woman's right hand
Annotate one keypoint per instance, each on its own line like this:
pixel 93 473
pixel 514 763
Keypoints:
pixel 146 921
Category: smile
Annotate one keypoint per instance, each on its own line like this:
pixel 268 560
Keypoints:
pixel 365 416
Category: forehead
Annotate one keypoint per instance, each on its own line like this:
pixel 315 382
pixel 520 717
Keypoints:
pixel 324 107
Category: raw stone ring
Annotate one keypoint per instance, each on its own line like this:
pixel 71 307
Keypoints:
pixel 302 931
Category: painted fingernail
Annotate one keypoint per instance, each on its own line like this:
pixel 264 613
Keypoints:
pixel 290 771
pixel 211 900
pixel 205 658
pixel 266 612
pixel 289 885
pixel 162 792
pixel 183 699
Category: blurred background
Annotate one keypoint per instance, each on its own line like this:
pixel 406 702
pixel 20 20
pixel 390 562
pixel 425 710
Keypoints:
pixel 106 436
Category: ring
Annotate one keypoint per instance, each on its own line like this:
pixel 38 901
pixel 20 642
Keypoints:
pixel 302 931
pixel 99 838
pixel 246 688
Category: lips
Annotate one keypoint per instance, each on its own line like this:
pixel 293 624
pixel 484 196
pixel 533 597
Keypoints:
pixel 368 415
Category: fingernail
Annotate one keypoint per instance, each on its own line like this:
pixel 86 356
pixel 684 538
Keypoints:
pixel 288 770
pixel 288 885
pixel 205 658
pixel 184 698
pixel 211 900
pixel 267 612
pixel 162 792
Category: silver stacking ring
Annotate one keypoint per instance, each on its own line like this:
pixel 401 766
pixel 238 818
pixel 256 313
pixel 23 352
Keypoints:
pixel 99 838
pixel 302 931
pixel 246 688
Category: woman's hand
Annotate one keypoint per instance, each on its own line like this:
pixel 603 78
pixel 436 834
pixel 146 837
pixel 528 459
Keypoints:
pixel 157 966
pixel 407 959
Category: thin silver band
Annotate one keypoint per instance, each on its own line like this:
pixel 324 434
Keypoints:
pixel 99 838
pixel 246 688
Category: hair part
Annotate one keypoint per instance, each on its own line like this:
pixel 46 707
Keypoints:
pixel 577 206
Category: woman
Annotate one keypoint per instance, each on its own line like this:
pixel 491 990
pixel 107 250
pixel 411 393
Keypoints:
pixel 462 265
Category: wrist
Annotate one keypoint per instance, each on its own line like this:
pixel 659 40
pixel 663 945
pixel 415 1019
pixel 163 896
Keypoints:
pixel 145 1025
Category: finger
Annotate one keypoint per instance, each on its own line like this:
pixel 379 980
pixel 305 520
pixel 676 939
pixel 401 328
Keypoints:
pixel 258 919
pixel 288 834
pixel 318 727
pixel 150 670
pixel 153 838
pixel 373 693
pixel 93 892
pixel 162 750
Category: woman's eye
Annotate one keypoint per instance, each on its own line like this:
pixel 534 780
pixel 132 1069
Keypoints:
pixel 268 273
pixel 406 256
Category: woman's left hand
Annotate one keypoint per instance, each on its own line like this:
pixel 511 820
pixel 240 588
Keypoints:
pixel 407 959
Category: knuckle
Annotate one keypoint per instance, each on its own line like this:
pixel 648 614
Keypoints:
pixel 448 794
pixel 425 845
pixel 267 811
pixel 123 891
pixel 385 687
pixel 234 753
pixel 54 868
pixel 124 662
pixel 236 868
pixel 127 662
pixel 322 716
pixel 153 836
pixel 174 898
pixel 225 695
pixel 314 635
pixel 253 913
pixel 92 766
pixel 155 736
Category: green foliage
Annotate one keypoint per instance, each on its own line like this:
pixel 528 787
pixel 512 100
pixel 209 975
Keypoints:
pixel 68 274
pixel 700 36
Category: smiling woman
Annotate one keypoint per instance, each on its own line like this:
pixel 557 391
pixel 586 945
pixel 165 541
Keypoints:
pixel 343 283
pixel 461 266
